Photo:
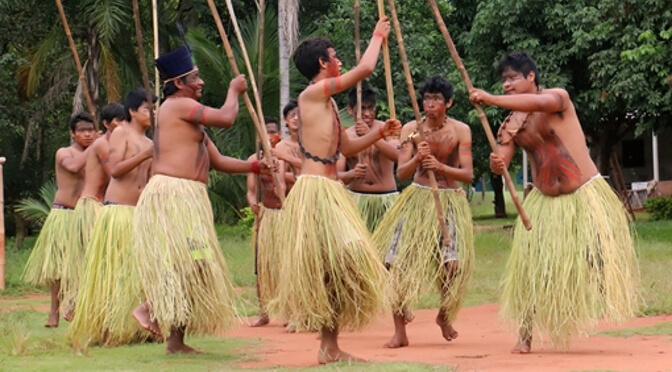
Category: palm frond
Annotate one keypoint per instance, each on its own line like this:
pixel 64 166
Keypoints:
pixel 108 16
pixel 37 210
pixel 110 73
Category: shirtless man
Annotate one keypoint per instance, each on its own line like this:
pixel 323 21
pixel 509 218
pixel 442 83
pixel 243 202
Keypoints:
pixel 419 256
pixel 44 265
pixel 288 149
pixel 97 171
pixel 371 181
pixel 173 220
pixel 109 292
pixel 580 228
pixel 331 276
pixel 269 220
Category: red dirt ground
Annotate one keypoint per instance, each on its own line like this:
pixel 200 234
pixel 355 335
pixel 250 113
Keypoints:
pixel 484 344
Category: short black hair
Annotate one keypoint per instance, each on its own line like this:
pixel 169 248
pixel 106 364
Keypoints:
pixel 169 87
pixel 134 100
pixel 80 116
pixel 112 111
pixel 291 105
pixel 437 84
pixel 519 62
pixel 269 120
pixel 309 53
pixel 368 95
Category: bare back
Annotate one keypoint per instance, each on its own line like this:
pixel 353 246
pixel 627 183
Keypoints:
pixel 69 185
pixel 380 170
pixel 319 132
pixel 126 189
pixel 556 146
pixel 180 146
pixel 290 147
pixel 96 179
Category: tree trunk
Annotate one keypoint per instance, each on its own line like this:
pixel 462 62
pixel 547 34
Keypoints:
pixel 93 68
pixel 607 140
pixel 498 188
pixel 288 25
pixel 20 231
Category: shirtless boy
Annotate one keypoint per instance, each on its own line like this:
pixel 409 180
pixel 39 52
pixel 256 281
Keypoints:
pixel 288 148
pixel 45 264
pixel 579 226
pixel 330 275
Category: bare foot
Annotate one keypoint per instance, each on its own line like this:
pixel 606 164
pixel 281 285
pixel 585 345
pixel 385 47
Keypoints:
pixel 408 316
pixel 141 314
pixel 181 349
pixel 325 356
pixel 522 347
pixel 397 341
pixel 447 330
pixel 52 321
pixel 261 321
pixel 69 315
pixel 290 328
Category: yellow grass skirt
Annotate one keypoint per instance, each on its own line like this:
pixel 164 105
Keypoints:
pixel 374 206
pixel 181 266
pixel 110 288
pixel 268 252
pixel 576 265
pixel 330 275
pixel 86 212
pixel 410 239
pixel 45 264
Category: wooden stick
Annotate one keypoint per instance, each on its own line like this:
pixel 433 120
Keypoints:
pixel 260 58
pixel 157 78
pixel 479 110
pixel 388 69
pixel 421 133
pixel 78 64
pixel 143 63
pixel 260 126
pixel 358 109
pixel 2 228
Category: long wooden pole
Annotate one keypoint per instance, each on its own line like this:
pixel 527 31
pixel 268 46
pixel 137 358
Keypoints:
pixel 388 69
pixel 2 228
pixel 358 109
pixel 479 110
pixel 260 58
pixel 421 133
pixel 78 64
pixel 157 78
pixel 260 126
pixel 143 63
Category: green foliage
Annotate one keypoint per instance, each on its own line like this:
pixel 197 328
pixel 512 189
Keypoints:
pixel 37 210
pixel 660 208
pixel 247 221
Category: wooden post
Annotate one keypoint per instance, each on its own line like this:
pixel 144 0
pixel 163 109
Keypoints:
pixel 143 63
pixel 2 228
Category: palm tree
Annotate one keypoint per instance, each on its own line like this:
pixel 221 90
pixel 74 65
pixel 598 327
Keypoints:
pixel 288 27
pixel 37 210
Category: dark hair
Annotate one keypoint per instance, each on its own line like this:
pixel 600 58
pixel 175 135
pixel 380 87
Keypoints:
pixel 80 116
pixel 368 95
pixel 308 55
pixel 169 88
pixel 269 120
pixel 112 111
pixel 291 105
pixel 134 100
pixel 437 84
pixel 519 62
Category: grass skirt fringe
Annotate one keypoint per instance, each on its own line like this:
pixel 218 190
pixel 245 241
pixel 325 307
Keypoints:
pixel 410 239
pixel 45 264
pixel 86 212
pixel 268 252
pixel 109 288
pixel 330 275
pixel 181 266
pixel 575 266
pixel 373 207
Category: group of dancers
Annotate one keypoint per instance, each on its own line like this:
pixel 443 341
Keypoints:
pixel 131 252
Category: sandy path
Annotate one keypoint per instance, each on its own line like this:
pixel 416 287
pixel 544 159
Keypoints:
pixel 483 345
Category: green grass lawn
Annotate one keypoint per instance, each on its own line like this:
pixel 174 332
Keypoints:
pixel 26 345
